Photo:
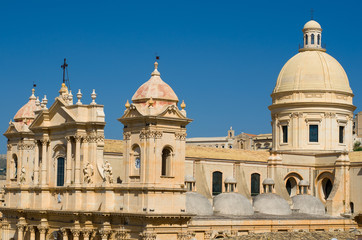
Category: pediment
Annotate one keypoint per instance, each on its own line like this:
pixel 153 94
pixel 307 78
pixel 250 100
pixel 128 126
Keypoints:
pixel 11 129
pixel 172 112
pixel 131 112
pixel 56 115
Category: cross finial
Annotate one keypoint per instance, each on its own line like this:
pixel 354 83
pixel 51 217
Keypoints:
pixel 64 66
pixel 312 14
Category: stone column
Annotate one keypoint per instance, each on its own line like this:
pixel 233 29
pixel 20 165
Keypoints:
pixel 42 232
pixel 9 173
pixel 21 228
pixel 32 233
pixel 77 159
pixel 44 161
pixel 68 173
pixel 36 163
pixel 64 233
pixel 75 233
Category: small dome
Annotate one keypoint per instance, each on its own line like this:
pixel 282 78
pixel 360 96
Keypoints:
pixel 308 204
pixel 26 112
pixel 271 203
pixel 232 204
pixel 156 89
pixel 230 180
pixel 189 178
pixel 268 181
pixel 303 183
pixel 312 25
pixel 198 204
pixel 311 70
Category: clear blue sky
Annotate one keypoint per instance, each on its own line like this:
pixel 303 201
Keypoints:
pixel 221 57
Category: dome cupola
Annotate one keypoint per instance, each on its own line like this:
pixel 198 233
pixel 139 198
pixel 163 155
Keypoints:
pixel 312 36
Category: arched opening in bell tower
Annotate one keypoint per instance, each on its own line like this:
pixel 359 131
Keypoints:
pixel 166 161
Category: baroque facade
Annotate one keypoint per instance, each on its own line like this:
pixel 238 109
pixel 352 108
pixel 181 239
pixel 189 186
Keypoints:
pixel 66 181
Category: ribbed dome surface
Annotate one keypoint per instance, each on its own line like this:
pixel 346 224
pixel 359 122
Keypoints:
pixel 232 204
pixel 198 204
pixel 270 203
pixel 312 70
pixel 155 88
pixel 308 204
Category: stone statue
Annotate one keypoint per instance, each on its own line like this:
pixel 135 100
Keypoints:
pixel 107 172
pixel 88 173
pixel 22 175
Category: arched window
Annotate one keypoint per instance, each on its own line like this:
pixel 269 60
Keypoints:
pixel 15 166
pixel 216 183
pixel 255 184
pixel 166 162
pixel 327 187
pixel 136 160
pixel 291 186
pixel 312 39
pixel 60 171
pixel 319 39
pixel 306 39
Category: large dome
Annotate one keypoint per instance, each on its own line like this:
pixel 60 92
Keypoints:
pixel 198 204
pixel 271 203
pixel 312 70
pixel 232 204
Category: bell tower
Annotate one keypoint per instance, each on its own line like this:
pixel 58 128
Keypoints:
pixel 154 136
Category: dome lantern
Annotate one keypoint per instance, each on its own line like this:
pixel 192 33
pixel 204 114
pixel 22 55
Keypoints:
pixel 312 36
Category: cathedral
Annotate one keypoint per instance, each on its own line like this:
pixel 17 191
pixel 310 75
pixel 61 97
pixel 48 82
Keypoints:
pixel 65 180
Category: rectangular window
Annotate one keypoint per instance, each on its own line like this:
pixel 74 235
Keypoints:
pixel 60 172
pixel 313 133
pixel 285 133
pixel 341 134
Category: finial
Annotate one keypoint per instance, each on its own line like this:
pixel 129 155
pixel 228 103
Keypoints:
pixel 150 102
pixel 70 97
pixel 156 72
pixel 183 105
pixel 32 97
pixel 37 103
pixel 311 14
pixel 93 96
pixel 127 105
pixel 44 102
pixel 11 121
pixel 79 96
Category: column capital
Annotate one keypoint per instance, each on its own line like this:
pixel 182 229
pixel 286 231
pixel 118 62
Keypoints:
pixel 75 232
pixel 43 229
pixel 78 138
pixel 68 138
pixel 148 235
pixel 64 231
pixel 105 233
pixel 44 141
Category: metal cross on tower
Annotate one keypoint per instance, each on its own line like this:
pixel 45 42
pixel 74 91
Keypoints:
pixel 65 69
pixel 64 66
